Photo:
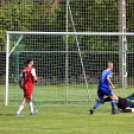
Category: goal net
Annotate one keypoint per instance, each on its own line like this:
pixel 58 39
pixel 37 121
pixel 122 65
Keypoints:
pixel 68 65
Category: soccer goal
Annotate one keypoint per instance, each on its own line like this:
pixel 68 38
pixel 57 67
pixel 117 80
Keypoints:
pixel 68 64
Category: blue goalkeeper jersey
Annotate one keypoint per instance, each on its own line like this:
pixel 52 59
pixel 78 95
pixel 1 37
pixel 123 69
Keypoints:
pixel 103 83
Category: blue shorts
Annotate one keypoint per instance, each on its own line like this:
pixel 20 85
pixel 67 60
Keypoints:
pixel 130 104
pixel 103 91
pixel 130 101
pixel 131 97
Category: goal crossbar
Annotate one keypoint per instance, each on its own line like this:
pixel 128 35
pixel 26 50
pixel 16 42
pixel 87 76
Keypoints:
pixel 74 33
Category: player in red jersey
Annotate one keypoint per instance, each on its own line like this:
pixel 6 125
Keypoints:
pixel 28 74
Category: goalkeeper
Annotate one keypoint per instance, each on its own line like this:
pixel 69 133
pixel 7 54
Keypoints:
pixel 124 104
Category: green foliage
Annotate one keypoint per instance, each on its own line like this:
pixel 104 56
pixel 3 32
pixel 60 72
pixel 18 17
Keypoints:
pixel 15 16
pixel 93 16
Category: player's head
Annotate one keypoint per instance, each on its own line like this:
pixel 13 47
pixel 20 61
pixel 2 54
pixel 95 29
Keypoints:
pixel 30 62
pixel 110 65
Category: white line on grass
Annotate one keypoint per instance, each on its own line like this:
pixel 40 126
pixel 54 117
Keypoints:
pixel 26 129
pixel 130 114
pixel 49 130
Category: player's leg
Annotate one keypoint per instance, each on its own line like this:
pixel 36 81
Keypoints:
pixel 29 100
pixel 101 96
pixel 21 107
pixel 31 106
pixel 108 92
pixel 128 110
pixel 131 97
pixel 130 104
pixel 112 102
pixel 108 99
pixel 132 110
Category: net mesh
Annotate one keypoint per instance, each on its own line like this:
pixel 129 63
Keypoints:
pixel 50 15
pixel 49 55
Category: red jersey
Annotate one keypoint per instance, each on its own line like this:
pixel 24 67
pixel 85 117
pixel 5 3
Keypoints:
pixel 28 78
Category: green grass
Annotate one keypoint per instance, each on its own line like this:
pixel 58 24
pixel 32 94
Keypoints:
pixel 71 118
pixel 60 118
pixel 76 92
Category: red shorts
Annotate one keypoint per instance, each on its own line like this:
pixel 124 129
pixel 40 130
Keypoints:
pixel 27 91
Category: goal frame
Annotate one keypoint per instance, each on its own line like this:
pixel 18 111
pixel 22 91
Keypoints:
pixel 8 53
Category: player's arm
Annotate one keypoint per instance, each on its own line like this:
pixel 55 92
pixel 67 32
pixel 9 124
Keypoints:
pixel 20 78
pixel 35 79
pixel 110 82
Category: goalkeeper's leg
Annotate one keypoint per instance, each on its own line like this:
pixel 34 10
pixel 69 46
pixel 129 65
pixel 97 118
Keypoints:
pixel 131 97
pixel 128 110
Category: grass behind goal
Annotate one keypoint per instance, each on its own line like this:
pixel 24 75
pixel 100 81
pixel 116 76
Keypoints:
pixel 56 93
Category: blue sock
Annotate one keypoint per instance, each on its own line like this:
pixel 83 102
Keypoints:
pixel 97 105
pixel 113 105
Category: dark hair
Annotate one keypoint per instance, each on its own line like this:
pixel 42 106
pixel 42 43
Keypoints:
pixel 29 60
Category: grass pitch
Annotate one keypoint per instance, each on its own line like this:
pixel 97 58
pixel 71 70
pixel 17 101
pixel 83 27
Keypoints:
pixel 60 118
pixel 65 119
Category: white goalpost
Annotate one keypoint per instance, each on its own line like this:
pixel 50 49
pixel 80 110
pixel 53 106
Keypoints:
pixel 80 50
